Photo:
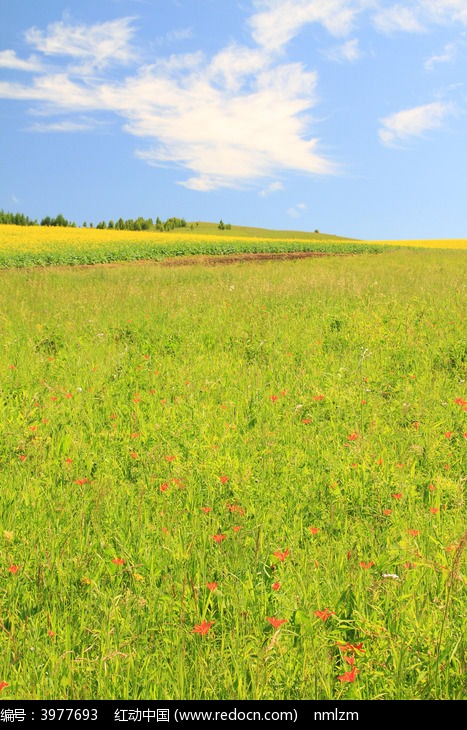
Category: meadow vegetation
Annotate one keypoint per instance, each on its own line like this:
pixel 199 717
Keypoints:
pixel 238 482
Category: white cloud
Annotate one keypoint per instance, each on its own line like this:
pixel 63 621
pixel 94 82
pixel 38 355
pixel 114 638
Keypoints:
pixel 281 20
pixel 9 59
pixel 398 18
pixel 447 56
pixel 419 15
pixel 273 187
pixel 297 210
pixel 413 122
pixel 346 52
pixel 231 120
pixel 444 11
pixel 96 46
pixel 65 126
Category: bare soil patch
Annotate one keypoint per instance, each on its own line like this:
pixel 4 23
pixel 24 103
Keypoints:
pixel 241 257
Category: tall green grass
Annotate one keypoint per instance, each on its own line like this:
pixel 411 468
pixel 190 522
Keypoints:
pixel 234 482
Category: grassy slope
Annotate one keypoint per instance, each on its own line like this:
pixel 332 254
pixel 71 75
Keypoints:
pixel 204 227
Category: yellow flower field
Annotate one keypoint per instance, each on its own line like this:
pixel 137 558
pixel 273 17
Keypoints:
pixel 42 245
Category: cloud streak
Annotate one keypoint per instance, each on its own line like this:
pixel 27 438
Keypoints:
pixel 412 123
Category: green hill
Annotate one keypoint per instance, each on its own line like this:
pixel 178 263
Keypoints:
pixel 204 227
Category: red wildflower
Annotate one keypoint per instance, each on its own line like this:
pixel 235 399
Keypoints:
pixel 318 397
pixel 274 398
pixel 118 561
pixel 237 528
pixel 22 457
pixel 398 495
pixel 134 455
pixel 224 479
pixel 3 685
pixel 276 586
pixel 416 425
pixel 434 510
pixel 387 512
pixel 14 569
pixel 212 586
pixel 164 487
pixel 367 566
pixel 349 676
pixel 276 622
pixel 448 434
pixel 352 647
pixel 314 530
pixel 414 533
pixel 218 538
pixel 324 615
pixel 203 627
pixel 350 659
pixel 353 436
pixel 68 461
pixel 170 458
pixel 82 481
pixel 281 555
pixel 432 487
pixel 306 421
pixel 236 508
pixel 206 509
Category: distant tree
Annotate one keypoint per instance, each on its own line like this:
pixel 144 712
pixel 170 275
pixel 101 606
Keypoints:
pixel 111 224
pixel 221 225
pixel 60 220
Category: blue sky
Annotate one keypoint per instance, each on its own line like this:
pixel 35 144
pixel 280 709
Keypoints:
pixel 346 116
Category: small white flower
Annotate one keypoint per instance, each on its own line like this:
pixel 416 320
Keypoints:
pixel 391 575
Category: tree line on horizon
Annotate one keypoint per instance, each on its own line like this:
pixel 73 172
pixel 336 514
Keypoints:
pixel 130 224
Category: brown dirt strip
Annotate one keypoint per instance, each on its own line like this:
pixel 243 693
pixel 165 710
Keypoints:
pixel 240 257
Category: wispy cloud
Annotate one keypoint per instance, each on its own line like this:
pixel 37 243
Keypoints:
pixel 297 210
pixel 447 56
pixel 231 120
pixel 345 52
pixel 398 18
pixel 278 21
pixel 410 123
pixel 96 46
pixel 9 59
pixel 273 187
pixel 419 15
pixel 65 126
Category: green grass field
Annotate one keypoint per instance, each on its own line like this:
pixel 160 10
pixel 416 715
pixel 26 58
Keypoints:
pixel 238 482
